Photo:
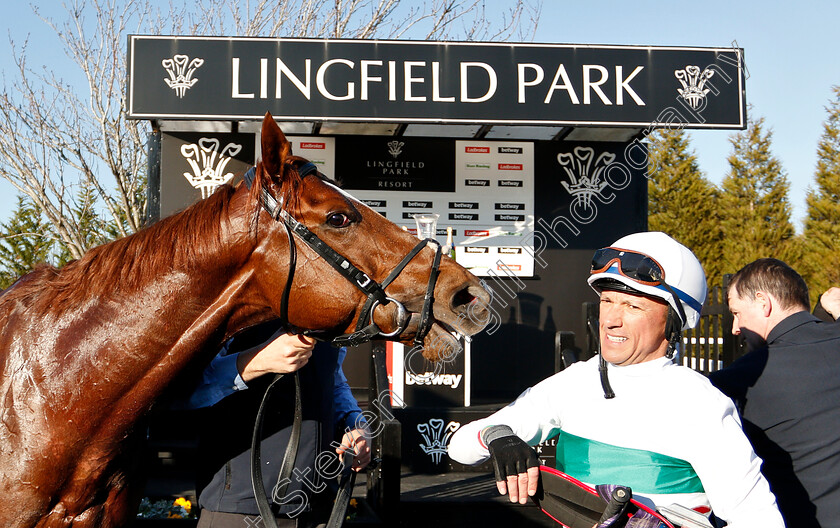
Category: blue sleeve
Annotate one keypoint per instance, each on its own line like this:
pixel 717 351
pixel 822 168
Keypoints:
pixel 347 410
pixel 219 380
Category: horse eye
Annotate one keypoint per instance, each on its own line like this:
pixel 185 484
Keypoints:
pixel 338 220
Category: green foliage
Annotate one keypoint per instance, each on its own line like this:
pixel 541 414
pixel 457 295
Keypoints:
pixel 754 205
pixel 682 202
pixel 94 228
pixel 821 236
pixel 28 239
pixel 24 242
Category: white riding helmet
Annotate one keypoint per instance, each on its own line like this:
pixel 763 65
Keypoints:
pixel 683 274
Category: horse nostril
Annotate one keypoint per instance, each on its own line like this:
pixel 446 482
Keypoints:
pixel 468 295
pixel 462 297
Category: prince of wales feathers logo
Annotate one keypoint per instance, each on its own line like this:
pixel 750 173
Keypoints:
pixel 693 84
pixel 395 148
pixel 181 69
pixel 586 179
pixel 436 437
pixel 208 164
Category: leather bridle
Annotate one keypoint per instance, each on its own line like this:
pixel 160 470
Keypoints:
pixel 376 296
pixel 366 329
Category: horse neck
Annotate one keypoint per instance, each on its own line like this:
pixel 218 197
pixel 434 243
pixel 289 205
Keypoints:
pixel 206 273
pixel 174 304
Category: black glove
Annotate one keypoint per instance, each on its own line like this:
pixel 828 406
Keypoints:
pixel 510 454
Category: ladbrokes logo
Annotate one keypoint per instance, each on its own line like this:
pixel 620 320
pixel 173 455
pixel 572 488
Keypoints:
pixel 311 145
pixel 477 150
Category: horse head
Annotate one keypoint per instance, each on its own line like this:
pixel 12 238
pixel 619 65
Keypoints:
pixel 320 296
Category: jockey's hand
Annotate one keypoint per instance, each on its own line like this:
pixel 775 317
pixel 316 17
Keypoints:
pixel 285 354
pixel 357 442
pixel 515 462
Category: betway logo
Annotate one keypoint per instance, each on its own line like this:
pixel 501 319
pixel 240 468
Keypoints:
pixel 477 150
pixel 452 380
pixel 313 146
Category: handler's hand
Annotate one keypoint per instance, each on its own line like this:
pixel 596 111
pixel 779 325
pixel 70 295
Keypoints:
pixel 517 468
pixel 357 441
pixel 287 353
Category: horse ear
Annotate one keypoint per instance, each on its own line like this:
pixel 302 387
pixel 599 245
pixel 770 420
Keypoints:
pixel 275 148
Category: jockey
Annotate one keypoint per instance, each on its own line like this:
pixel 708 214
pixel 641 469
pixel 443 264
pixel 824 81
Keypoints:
pixel 631 416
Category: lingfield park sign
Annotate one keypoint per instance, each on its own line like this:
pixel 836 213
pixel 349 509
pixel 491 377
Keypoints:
pixel 434 82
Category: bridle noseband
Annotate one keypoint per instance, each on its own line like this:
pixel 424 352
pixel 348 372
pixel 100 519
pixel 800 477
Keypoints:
pixel 375 292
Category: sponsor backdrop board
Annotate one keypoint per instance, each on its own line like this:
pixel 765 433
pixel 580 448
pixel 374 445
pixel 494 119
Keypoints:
pixel 495 210
pixel 581 196
pixel 483 190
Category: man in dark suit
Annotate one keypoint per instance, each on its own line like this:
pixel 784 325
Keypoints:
pixel 787 388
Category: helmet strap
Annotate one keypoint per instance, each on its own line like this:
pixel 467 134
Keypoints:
pixel 673 332
pixel 602 363
pixel 605 380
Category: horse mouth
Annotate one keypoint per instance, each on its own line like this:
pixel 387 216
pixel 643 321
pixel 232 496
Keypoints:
pixel 444 340
pixel 466 314
pixel 442 343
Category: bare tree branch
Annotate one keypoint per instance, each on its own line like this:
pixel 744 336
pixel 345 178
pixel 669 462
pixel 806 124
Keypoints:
pixel 60 138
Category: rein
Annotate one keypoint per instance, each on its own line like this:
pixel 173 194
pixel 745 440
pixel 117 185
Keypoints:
pixel 376 296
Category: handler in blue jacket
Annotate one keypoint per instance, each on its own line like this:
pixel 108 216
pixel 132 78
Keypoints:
pixel 230 392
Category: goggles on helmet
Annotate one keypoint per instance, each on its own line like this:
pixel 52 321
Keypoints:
pixel 637 267
pixel 631 264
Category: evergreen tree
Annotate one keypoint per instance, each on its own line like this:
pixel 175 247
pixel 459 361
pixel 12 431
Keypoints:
pixel 682 202
pixel 821 236
pixel 24 242
pixel 93 228
pixel 754 206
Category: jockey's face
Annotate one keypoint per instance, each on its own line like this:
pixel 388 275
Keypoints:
pixel 632 328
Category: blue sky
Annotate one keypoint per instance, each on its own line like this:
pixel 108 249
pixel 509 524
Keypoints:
pixel 790 53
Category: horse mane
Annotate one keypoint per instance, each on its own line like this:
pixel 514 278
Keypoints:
pixel 126 264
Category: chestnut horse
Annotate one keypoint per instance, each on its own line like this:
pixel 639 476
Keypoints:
pixel 86 349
